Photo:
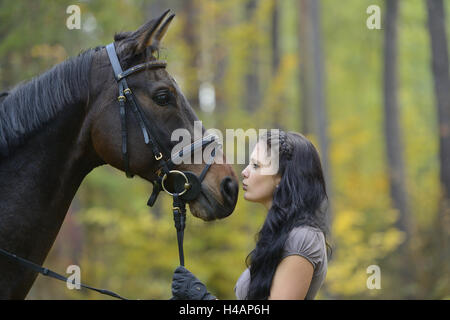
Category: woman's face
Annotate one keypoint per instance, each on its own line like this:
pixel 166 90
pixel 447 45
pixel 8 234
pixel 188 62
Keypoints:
pixel 257 184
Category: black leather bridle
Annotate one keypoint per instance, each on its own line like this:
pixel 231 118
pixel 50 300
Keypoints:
pixel 186 185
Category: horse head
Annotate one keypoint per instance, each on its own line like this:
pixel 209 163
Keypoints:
pixel 163 108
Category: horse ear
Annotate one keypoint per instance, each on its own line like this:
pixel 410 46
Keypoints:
pixel 145 35
pixel 162 31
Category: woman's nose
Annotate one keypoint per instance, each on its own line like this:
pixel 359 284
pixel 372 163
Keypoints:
pixel 244 173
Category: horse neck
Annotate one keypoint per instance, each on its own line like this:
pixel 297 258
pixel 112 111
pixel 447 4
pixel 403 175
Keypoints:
pixel 37 184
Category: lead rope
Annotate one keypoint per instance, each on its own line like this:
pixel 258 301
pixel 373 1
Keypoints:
pixel 179 216
pixel 179 212
pixel 49 273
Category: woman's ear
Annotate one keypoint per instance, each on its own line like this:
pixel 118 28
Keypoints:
pixel 277 179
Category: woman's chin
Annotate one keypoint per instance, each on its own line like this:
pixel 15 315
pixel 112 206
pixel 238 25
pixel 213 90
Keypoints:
pixel 247 197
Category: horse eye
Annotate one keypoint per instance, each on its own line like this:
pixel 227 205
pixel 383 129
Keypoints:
pixel 162 97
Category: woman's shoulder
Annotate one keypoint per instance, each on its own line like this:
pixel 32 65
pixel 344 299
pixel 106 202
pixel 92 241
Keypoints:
pixel 306 241
pixel 305 232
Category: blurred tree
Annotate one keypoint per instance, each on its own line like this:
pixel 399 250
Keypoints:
pixel 394 145
pixel 191 39
pixel 305 72
pixel 319 94
pixel 362 228
pixel 252 94
pixel 440 68
pixel 275 36
pixel 276 57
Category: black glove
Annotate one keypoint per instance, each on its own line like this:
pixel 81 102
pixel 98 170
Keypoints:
pixel 186 286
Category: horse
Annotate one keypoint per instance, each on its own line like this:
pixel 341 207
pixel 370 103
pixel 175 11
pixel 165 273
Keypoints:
pixel 59 126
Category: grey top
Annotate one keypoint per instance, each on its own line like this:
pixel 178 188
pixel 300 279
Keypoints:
pixel 305 241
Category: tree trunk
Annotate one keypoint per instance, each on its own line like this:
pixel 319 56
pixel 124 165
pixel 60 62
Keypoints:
pixel 305 72
pixel 192 83
pixel 394 145
pixel 276 56
pixel 253 93
pixel 319 105
pixel 275 37
pixel 394 150
pixel 440 67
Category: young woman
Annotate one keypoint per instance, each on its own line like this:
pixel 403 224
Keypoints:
pixel 290 257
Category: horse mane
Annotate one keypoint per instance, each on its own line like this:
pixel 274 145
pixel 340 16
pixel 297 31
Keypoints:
pixel 29 106
pixel 3 95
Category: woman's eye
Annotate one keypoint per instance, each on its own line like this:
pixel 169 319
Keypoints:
pixel 162 98
pixel 255 166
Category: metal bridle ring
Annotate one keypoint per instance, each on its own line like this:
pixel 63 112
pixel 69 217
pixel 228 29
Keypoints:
pixel 185 185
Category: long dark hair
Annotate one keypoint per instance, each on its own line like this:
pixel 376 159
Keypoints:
pixel 299 199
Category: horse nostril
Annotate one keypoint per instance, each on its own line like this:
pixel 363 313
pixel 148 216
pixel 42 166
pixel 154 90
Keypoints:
pixel 230 189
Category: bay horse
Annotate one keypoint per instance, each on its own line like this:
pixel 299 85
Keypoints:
pixel 59 126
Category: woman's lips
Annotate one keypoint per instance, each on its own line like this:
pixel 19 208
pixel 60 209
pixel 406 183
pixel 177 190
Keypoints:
pixel 244 186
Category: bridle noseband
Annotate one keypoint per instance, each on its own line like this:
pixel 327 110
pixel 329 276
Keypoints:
pixel 186 184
